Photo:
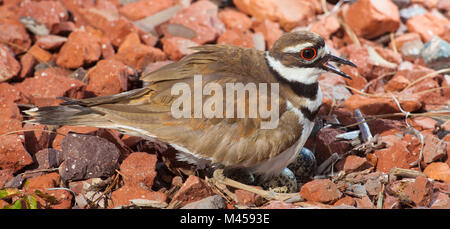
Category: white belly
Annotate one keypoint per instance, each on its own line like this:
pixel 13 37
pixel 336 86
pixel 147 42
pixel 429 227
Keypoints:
pixel 274 166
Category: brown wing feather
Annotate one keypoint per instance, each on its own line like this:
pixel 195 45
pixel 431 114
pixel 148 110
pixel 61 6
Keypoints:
pixel 228 141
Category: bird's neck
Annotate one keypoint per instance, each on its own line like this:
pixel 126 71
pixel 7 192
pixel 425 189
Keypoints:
pixel 302 81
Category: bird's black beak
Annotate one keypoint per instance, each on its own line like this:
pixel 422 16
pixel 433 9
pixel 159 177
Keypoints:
pixel 331 68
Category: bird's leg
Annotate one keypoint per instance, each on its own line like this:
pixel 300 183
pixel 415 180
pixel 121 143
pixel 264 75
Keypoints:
pixel 221 178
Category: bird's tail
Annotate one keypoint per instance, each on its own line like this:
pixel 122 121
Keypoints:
pixel 73 115
pixel 81 112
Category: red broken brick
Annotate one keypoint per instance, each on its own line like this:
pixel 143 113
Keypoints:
pixel 427 25
pixel 271 30
pixel 368 66
pixel 40 54
pixel 323 191
pixel 50 83
pixel 372 105
pixel 141 9
pixel 434 149
pixel 326 26
pixel 192 190
pixel 132 52
pixel 446 139
pixel 139 169
pixel 394 156
pixel 27 61
pixel 423 123
pixel 10 117
pixel 37 139
pixel 347 200
pixel 419 192
pixel 364 202
pixel 108 77
pixel 9 66
pixel 50 180
pixel 49 13
pixel 124 194
pixel 201 17
pixel 13 32
pixel 397 83
pixel 81 48
pixel 278 205
pixel 13 155
pixel 327 144
pixel 289 13
pixel 357 80
pixel 440 201
pixel 115 28
pixel 177 47
pixel 391 202
pixel 237 38
pixel 438 171
pixel 371 19
pixel 234 19
pixel 403 39
pixel 352 163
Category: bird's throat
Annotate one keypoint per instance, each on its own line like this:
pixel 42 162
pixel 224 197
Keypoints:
pixel 302 81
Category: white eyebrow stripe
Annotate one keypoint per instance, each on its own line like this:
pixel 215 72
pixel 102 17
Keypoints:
pixel 297 48
pixel 324 51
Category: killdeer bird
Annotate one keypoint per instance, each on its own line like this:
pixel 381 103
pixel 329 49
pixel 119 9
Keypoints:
pixel 294 63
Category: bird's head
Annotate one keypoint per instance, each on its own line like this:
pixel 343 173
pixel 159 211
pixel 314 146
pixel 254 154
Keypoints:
pixel 302 56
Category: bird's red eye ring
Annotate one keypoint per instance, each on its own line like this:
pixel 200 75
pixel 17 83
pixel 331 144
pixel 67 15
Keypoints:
pixel 308 53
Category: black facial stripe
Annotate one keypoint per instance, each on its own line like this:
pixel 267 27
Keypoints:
pixel 302 63
pixel 310 115
pixel 304 90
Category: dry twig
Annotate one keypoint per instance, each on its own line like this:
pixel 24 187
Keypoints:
pixel 408 173
pixel 108 189
pixel 363 127
pixel 394 45
pixel 380 198
pixel 220 178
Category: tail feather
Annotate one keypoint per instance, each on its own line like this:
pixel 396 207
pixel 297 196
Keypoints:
pixel 74 115
pixel 81 112
pixel 117 98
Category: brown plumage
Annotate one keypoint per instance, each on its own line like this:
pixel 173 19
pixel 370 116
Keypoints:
pixel 146 112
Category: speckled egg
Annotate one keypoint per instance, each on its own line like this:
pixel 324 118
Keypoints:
pixel 304 165
pixel 284 183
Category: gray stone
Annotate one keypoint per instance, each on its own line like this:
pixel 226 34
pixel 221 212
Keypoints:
pixel 212 202
pixel 34 26
pixel 373 187
pixel 401 3
pixel 412 49
pixel 87 157
pixel 436 53
pixel 49 158
pixel 412 11
pixel 16 182
pixel 358 190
